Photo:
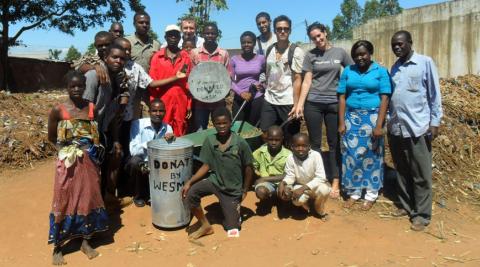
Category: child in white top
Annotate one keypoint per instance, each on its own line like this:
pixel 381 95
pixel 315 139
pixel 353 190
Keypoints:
pixel 305 177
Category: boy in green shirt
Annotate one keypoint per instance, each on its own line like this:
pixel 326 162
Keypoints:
pixel 226 172
pixel 269 164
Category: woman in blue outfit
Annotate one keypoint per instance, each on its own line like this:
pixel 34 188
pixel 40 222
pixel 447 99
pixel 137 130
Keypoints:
pixel 364 91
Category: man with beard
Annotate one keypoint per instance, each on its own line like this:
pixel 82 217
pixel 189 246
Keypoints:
pixel 166 63
pixel 266 38
pixel 416 112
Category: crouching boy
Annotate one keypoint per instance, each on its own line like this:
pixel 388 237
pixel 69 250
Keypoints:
pixel 226 172
pixel 269 164
pixel 305 177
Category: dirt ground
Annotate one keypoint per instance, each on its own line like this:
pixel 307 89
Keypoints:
pixel 349 239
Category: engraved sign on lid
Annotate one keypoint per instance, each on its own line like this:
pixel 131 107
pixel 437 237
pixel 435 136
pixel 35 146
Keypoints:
pixel 209 82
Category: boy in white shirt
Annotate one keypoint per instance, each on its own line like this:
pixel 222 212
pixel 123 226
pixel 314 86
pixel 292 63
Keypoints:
pixel 305 177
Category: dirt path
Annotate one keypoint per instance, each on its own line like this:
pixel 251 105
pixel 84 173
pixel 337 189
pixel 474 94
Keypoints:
pixel 348 239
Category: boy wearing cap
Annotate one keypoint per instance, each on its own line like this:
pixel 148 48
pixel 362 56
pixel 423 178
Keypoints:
pixel 167 62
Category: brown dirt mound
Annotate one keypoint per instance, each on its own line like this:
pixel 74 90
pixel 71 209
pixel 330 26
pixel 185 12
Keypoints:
pixel 456 152
pixel 23 127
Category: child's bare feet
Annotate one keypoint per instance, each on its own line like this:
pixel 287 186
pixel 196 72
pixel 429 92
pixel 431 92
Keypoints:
pixel 205 229
pixel 335 192
pixel 57 257
pixel 88 250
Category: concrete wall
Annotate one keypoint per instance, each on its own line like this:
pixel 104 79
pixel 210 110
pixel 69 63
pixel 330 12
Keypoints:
pixel 31 75
pixel 448 32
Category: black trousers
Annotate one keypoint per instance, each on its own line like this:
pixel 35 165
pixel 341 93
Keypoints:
pixel 276 115
pixel 413 161
pixel 250 112
pixel 230 204
pixel 137 180
pixel 315 115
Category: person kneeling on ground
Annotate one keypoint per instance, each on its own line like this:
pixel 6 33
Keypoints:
pixel 305 177
pixel 227 166
pixel 143 131
pixel 269 164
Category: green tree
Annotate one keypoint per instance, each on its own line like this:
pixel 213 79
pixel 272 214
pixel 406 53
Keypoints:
pixel 153 35
pixel 91 50
pixel 350 17
pixel 371 10
pixel 376 9
pixel 199 10
pixel 54 54
pixel 390 7
pixel 72 54
pixel 63 15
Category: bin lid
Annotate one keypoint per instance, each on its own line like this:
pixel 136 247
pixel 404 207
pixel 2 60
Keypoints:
pixel 162 144
pixel 209 82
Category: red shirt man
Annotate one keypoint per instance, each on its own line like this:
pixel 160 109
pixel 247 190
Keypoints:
pixel 167 63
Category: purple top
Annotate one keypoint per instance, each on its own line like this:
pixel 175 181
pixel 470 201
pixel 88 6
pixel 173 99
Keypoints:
pixel 244 73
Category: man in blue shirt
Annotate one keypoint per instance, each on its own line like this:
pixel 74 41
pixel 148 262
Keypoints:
pixel 415 114
pixel 141 132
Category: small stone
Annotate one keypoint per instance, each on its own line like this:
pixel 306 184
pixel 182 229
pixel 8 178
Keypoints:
pixel 315 251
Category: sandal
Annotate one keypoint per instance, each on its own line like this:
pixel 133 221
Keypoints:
pixel 367 205
pixel 349 203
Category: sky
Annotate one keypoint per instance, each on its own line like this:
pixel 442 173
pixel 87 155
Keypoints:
pixel 239 17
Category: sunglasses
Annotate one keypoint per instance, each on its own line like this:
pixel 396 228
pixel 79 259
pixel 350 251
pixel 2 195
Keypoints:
pixel 282 29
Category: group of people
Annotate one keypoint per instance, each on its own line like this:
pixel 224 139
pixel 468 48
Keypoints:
pixel 102 136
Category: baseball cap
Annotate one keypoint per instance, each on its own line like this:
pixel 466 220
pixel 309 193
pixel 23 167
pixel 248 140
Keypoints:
pixel 172 27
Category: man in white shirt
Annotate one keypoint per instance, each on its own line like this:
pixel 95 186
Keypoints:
pixel 141 132
pixel 305 177
pixel 284 79
pixel 189 32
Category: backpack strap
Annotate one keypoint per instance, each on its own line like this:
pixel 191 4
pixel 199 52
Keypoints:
pixel 260 49
pixel 269 50
pixel 291 52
